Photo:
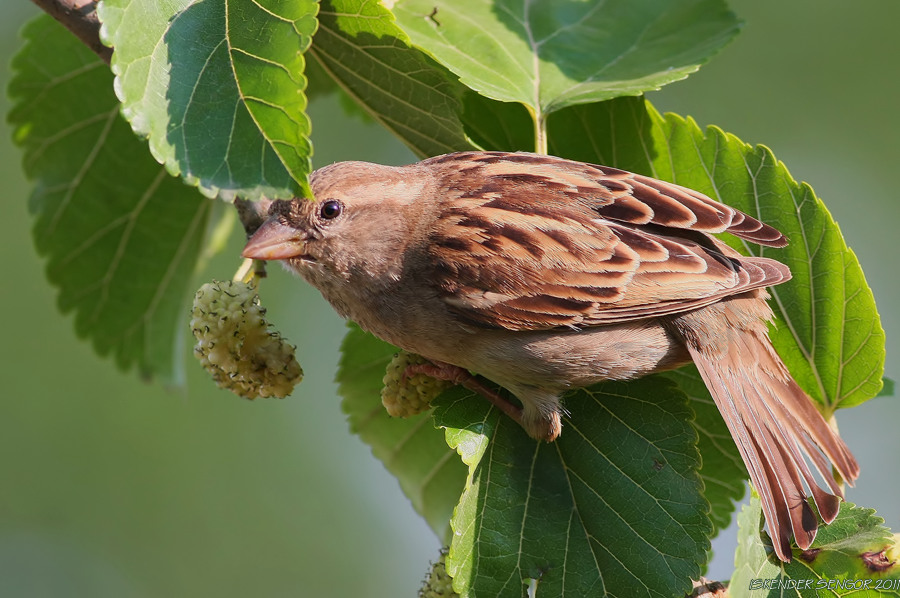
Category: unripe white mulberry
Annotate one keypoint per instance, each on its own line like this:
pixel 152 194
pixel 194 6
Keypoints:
pixel 893 553
pixel 235 345
pixel 439 584
pixel 404 396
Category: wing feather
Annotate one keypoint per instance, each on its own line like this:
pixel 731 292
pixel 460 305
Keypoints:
pixel 540 242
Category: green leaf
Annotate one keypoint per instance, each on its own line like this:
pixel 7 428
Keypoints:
pixel 499 126
pixel 361 47
pixel 549 55
pixel 827 328
pixel 614 507
pixel 624 133
pixel 847 556
pixel 723 472
pixel 218 89
pixel 887 388
pixel 121 237
pixel 429 473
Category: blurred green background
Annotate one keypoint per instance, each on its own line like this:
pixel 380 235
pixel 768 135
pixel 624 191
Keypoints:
pixel 109 487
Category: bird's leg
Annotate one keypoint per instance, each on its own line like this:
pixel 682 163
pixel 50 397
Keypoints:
pixel 457 375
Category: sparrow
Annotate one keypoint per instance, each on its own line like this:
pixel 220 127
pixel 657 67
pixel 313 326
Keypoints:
pixel 543 274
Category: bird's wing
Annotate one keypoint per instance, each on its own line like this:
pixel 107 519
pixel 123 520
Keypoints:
pixel 540 243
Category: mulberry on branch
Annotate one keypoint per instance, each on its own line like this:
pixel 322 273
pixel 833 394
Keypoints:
pixel 438 584
pixel 406 395
pixel 236 346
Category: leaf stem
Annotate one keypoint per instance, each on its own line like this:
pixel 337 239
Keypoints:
pixel 540 129
pixel 246 272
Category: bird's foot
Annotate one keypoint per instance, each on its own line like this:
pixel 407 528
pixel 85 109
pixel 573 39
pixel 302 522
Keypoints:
pixel 543 428
pixel 462 377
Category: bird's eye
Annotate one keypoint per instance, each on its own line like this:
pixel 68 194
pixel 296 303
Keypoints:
pixel 331 209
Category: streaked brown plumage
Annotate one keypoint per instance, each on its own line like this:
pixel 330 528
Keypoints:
pixel 543 274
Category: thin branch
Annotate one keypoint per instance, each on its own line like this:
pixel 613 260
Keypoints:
pixel 79 17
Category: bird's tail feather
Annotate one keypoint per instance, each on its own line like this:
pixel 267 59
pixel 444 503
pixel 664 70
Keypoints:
pixel 775 425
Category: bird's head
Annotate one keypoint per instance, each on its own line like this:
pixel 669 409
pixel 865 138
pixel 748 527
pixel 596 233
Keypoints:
pixel 359 222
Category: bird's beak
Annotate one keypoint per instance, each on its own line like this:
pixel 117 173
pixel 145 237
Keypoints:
pixel 274 241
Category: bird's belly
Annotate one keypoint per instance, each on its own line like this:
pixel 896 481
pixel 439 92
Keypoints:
pixel 550 359
pixel 560 359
